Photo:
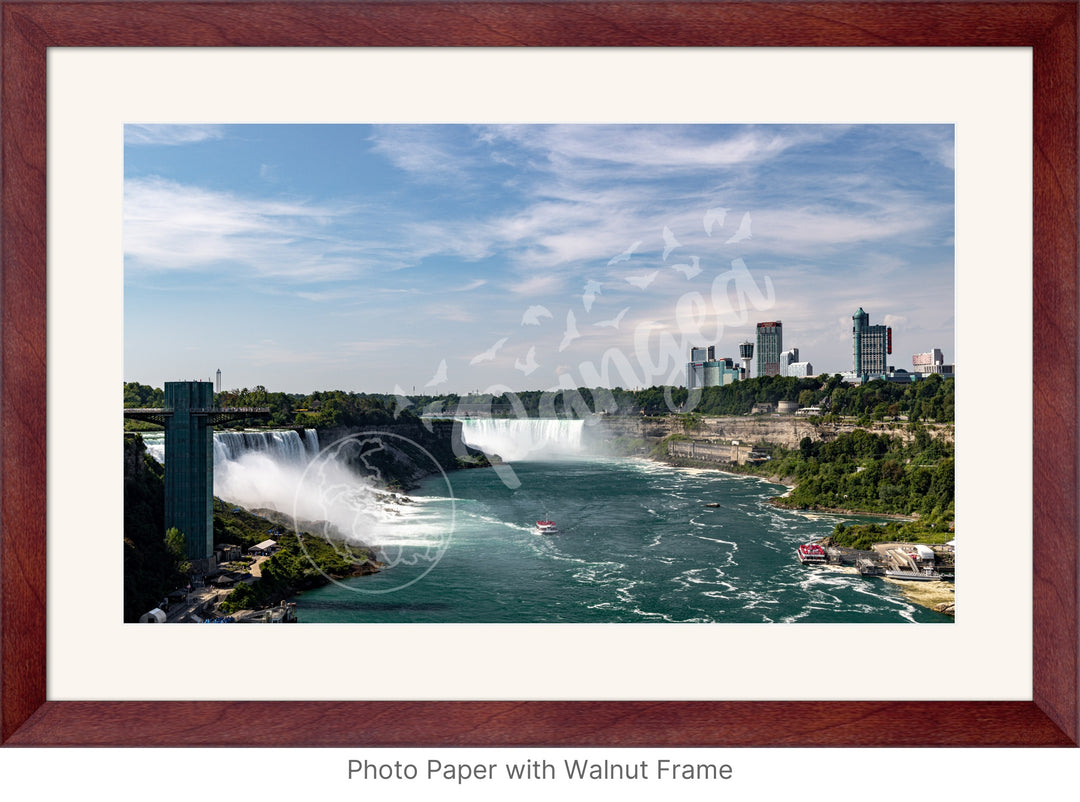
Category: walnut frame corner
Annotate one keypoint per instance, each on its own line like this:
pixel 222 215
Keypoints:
pixel 28 718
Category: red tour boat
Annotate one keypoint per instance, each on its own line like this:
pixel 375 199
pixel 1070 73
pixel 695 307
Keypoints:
pixel 812 554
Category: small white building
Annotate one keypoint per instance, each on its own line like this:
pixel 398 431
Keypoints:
pixel 923 554
pixel 155 616
pixel 266 547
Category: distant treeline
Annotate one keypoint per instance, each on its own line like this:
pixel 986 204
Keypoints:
pixel 931 399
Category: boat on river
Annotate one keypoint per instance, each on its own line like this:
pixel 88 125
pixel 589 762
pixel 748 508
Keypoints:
pixel 546 528
pixel 811 554
pixel 867 567
pixel 927 574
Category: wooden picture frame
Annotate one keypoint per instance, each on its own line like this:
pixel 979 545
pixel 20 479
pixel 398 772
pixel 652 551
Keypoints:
pixel 28 718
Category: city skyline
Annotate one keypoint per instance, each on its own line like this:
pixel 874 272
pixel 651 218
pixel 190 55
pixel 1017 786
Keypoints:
pixel 454 258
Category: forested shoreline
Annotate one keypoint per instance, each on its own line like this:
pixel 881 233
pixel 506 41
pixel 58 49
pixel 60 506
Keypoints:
pixel 929 399
pixel 864 473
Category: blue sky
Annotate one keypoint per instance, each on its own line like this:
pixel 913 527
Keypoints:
pixel 454 258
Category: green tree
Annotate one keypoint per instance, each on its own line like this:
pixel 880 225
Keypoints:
pixel 176 545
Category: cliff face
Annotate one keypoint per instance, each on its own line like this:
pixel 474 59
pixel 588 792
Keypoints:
pixel 785 430
pixel 402 453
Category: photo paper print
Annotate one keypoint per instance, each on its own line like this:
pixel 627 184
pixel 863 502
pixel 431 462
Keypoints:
pixel 539 373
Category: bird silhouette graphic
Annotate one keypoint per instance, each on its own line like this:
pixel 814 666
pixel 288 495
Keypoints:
pixel 402 401
pixel 489 354
pixel 643 280
pixel 625 255
pixel 712 217
pixel 614 322
pixel 592 289
pixel 743 232
pixel 670 243
pixel 689 270
pixel 530 364
pixel 533 314
pixel 439 377
pixel 571 332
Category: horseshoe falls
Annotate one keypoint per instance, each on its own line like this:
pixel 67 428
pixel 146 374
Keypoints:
pixel 515 439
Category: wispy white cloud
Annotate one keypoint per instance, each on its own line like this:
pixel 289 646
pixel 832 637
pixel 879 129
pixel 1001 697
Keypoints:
pixel 452 313
pixel 841 218
pixel 472 285
pixel 171 226
pixel 538 285
pixel 420 150
pixel 657 146
pixel 170 134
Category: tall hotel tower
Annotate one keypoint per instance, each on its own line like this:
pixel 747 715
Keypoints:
pixel 770 342
pixel 870 344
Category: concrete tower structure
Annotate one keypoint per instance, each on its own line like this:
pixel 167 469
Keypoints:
pixel 189 465
pixel 746 353
pixel 189 417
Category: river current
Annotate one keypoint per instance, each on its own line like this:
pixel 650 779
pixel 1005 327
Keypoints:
pixel 636 543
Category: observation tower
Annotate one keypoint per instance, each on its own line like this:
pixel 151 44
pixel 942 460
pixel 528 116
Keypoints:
pixel 189 417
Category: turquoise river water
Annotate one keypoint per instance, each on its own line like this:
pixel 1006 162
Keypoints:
pixel 636 543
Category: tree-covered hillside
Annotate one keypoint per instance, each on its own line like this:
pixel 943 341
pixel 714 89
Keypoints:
pixel 930 399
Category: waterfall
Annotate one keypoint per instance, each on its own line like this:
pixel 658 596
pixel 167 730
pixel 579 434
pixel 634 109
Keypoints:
pixel 287 471
pixel 262 468
pixel 255 468
pixel 517 440
pixel 285 445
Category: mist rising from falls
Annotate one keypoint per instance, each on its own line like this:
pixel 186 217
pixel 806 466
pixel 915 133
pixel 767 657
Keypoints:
pixel 522 440
pixel 254 469
pixel 262 469
pixel 288 472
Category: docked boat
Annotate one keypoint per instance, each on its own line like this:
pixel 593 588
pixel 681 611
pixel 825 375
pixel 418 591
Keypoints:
pixel 546 528
pixel 925 575
pixel 812 554
pixel 867 567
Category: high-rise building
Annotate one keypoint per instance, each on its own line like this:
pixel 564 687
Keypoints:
pixel 788 358
pixel 932 361
pixel 870 345
pixel 770 342
pixel 931 357
pixel 705 370
pixel 707 354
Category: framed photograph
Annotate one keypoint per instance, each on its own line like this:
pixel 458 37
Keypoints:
pixel 429 68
